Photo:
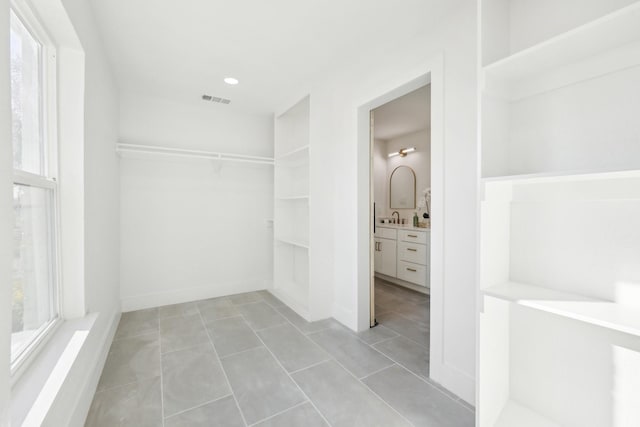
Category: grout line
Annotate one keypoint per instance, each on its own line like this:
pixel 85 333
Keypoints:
pixel 312 365
pixel 215 320
pixel 379 370
pixel 291 378
pixel 224 372
pixel 376 394
pixel 226 356
pixel 199 405
pixel 279 413
pixel 385 339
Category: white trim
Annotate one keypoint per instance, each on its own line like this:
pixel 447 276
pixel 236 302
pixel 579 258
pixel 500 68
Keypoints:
pixel 441 372
pixel 177 296
pixel 29 353
pixel 82 405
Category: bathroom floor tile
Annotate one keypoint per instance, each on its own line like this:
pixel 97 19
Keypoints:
pixel 418 401
pixel 179 332
pixel 300 323
pixel 260 385
pixel 291 347
pixel 191 377
pixel 184 309
pixel 232 335
pixel 245 298
pixel 134 404
pixel 405 327
pixel 220 413
pixel 407 353
pixel 260 315
pixel 351 352
pixel 343 400
pixel 131 360
pixel 301 415
pixel 137 323
pixel 376 334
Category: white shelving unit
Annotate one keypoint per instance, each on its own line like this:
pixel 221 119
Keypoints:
pixel 291 216
pixel 559 318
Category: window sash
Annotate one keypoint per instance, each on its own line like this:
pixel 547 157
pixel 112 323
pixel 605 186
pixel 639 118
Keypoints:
pixel 47 180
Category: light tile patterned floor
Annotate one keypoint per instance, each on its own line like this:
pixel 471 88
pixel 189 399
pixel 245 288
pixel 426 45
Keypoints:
pixel 248 360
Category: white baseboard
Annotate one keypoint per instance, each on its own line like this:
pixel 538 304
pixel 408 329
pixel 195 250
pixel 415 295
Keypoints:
pixel 346 317
pixel 177 296
pixel 457 382
pixel 88 388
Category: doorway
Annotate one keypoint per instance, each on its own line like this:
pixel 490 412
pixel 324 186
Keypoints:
pixel 434 77
pixel 401 187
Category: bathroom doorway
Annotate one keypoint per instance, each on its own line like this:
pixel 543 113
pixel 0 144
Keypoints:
pixel 430 337
pixel 401 189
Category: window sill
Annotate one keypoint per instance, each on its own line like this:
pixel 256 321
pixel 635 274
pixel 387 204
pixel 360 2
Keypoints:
pixel 42 377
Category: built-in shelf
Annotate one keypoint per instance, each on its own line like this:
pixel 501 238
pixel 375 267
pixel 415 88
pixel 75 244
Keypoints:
pixel 299 152
pixel 576 175
pixel 601 313
pixel 514 414
pixel 294 241
pixel 602 35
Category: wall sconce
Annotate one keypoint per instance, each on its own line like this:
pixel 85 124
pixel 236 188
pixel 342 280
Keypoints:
pixel 403 152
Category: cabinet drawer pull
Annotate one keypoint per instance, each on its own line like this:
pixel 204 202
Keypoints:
pixel 411 269
pixel 412 250
pixel 412 235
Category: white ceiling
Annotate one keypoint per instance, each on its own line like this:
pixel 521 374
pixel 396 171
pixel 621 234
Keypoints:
pixel 407 114
pixel 182 49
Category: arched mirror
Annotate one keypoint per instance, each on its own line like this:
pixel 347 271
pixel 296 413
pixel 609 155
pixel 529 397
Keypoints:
pixel 402 188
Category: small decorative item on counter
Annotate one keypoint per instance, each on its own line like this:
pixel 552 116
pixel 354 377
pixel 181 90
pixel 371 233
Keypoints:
pixel 415 219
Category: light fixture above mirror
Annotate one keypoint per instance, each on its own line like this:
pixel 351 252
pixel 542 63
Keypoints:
pixel 403 152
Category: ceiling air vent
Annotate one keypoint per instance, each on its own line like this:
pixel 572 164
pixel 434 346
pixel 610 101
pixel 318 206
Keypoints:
pixel 216 99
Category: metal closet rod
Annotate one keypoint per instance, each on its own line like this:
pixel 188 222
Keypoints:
pixel 193 154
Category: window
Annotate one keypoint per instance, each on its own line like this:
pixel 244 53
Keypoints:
pixel 35 190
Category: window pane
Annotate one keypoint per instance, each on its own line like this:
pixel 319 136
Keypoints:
pixel 33 265
pixel 26 96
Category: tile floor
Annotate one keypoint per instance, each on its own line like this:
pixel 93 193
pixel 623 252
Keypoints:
pixel 248 360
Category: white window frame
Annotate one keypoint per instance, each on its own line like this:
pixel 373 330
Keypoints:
pixel 49 181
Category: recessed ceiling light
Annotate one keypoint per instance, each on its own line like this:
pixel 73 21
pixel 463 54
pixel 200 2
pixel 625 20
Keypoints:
pixel 231 81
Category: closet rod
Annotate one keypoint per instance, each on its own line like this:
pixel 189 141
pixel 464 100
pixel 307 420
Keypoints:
pixel 123 148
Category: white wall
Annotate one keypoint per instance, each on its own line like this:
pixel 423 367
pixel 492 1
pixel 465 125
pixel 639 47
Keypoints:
pixel 193 229
pixel 334 140
pixel 6 214
pixel 383 167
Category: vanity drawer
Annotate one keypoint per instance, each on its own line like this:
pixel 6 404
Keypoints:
pixel 413 273
pixel 386 233
pixel 412 252
pixel 412 236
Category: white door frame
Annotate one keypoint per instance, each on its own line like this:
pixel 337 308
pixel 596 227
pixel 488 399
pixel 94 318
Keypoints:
pixel 434 74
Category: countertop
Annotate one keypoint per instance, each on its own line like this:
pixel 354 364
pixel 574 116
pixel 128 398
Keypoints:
pixel 402 227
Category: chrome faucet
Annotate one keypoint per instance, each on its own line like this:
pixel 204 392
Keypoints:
pixel 394 213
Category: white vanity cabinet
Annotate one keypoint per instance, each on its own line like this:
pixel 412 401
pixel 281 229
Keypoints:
pixel 401 255
pixel 385 256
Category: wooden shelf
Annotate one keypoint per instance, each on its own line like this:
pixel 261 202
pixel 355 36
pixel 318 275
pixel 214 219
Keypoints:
pixel 514 414
pixel 293 241
pixel 602 35
pixel 601 313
